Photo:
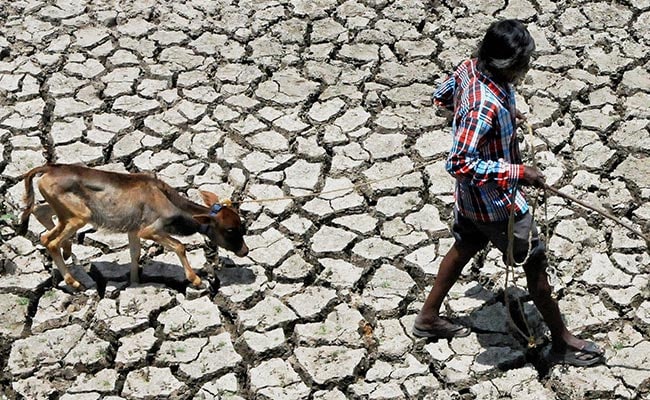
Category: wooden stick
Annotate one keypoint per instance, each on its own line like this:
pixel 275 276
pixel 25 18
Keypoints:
pixel 601 212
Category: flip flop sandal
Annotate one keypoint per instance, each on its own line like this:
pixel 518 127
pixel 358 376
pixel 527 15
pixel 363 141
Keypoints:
pixel 590 354
pixel 450 330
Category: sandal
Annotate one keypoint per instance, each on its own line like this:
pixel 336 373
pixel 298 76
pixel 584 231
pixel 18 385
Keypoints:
pixel 590 354
pixel 445 330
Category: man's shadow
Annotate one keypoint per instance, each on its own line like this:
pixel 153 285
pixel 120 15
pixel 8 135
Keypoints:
pixel 511 332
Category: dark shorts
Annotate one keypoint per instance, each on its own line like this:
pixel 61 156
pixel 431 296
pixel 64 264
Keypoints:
pixel 474 233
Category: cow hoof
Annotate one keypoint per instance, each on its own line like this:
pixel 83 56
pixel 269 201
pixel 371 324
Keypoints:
pixel 196 282
pixel 71 281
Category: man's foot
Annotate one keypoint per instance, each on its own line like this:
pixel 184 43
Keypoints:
pixel 440 328
pixel 589 354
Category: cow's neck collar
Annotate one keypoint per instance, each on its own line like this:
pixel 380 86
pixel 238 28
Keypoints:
pixel 214 210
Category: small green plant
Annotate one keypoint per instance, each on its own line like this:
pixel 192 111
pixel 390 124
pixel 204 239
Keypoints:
pixel 385 284
pixel 191 324
pixel 147 375
pixel 102 353
pixel 181 349
pixel 23 301
pixel 133 307
pixel 7 217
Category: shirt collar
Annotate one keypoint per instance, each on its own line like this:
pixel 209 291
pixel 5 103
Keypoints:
pixel 499 91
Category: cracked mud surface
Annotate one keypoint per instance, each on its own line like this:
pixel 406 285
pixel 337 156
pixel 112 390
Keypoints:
pixel 264 99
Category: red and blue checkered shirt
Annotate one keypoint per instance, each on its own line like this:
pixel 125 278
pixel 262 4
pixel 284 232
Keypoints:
pixel 485 157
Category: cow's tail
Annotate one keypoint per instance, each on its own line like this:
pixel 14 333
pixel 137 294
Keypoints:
pixel 29 197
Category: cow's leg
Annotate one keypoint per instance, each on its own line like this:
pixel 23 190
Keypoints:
pixel 72 215
pixel 44 214
pixel 52 240
pixel 177 247
pixel 134 248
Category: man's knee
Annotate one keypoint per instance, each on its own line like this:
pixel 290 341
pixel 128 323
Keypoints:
pixel 537 260
pixel 541 288
pixel 535 268
pixel 466 250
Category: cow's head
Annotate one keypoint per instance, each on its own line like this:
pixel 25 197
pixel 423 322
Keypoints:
pixel 222 225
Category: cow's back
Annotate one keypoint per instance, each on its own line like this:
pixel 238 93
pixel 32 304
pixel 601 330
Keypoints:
pixel 114 201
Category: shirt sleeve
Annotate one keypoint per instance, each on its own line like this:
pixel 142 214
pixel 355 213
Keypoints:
pixel 444 95
pixel 465 162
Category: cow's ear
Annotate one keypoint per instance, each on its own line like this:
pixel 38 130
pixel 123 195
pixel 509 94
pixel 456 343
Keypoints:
pixel 202 219
pixel 209 198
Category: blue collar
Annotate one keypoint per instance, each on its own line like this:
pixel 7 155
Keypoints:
pixel 214 210
pixel 216 207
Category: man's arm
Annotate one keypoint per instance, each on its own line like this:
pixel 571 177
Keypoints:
pixel 465 161
pixel 444 95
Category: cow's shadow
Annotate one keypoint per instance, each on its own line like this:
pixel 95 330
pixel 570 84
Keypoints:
pixel 104 273
pixel 235 275
pixel 167 274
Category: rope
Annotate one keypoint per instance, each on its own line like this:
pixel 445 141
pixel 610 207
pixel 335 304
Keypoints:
pixel 546 188
pixel 510 266
pixel 588 206
pixel 511 262
pixel 344 189
pixel 602 212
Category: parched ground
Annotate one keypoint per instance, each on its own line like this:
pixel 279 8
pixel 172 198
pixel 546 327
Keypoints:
pixel 256 99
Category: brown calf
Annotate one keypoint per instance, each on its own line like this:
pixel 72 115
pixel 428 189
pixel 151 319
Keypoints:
pixel 140 205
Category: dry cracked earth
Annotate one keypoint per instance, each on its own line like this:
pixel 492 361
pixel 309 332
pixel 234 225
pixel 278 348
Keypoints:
pixel 271 98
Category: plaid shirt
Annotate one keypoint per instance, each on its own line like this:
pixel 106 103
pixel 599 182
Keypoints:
pixel 485 157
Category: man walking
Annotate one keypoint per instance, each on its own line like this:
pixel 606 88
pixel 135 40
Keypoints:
pixel 486 162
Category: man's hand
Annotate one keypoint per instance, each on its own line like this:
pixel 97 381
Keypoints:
pixel 533 177
pixel 520 117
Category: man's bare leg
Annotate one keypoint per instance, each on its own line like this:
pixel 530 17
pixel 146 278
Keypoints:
pixel 541 292
pixel 452 265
